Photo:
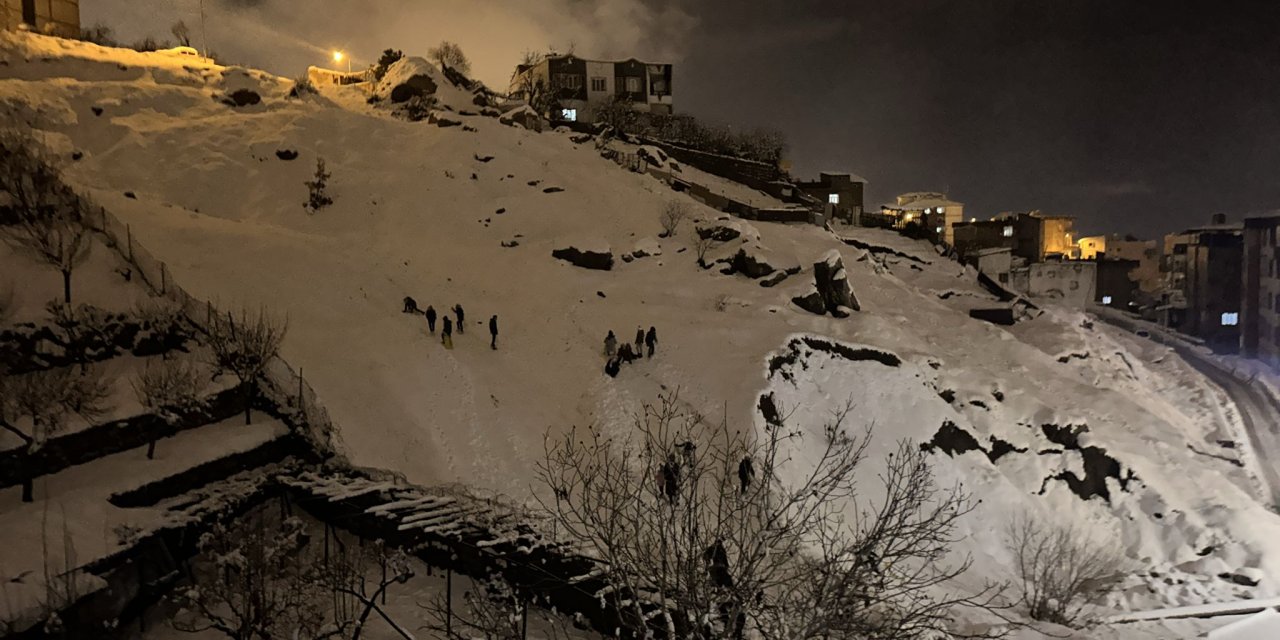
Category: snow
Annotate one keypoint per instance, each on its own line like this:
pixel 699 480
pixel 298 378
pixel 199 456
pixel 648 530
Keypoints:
pixel 226 215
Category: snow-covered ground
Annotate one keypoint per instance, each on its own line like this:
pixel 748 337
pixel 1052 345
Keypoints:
pixel 424 211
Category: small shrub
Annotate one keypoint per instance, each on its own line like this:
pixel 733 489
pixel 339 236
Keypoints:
pixel 150 43
pixel 701 246
pixel 99 34
pixel 318 197
pixel 672 215
pixel 1059 567
pixel 181 33
pixel 388 58
pixel 302 87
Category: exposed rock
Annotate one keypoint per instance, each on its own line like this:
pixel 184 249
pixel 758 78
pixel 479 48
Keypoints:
pixel 832 282
pixel 1003 316
pixel 408 77
pixel 510 243
pixel 286 154
pixel 1244 576
pixel 553 190
pixel 589 255
pixel 440 121
pixel 811 301
pixel 777 277
pixel 481 158
pixel 726 229
pixel 522 116
pixel 97 111
pixel 242 98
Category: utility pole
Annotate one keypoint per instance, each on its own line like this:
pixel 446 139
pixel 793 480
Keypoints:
pixel 203 38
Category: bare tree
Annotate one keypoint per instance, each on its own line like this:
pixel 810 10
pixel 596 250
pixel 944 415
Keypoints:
pixel 701 537
pixel 181 33
pixel 702 245
pixel 244 346
pixel 170 389
pixel 47 399
pixel 82 327
pixel 449 54
pixel 265 579
pixel 672 215
pixel 47 215
pixel 1059 567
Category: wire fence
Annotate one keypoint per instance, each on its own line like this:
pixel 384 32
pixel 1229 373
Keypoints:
pixel 281 384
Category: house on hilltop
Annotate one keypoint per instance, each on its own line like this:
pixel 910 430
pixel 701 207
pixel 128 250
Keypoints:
pixel 933 211
pixel 840 193
pixel 576 87
pixel 53 17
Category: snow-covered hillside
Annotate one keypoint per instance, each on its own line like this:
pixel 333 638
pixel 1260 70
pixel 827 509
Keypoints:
pixel 1055 417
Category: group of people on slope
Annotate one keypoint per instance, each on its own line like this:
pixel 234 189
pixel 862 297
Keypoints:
pixel 616 355
pixel 447 323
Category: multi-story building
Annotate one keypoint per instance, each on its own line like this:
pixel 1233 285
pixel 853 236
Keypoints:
pixel 933 211
pixel 1070 283
pixel 840 192
pixel 1213 282
pixel 53 17
pixel 1260 298
pixel 1145 254
pixel 1032 236
pixel 578 86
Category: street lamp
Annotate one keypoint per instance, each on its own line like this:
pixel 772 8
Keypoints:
pixel 338 56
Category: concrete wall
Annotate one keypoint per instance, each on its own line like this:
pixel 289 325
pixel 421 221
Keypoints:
pixel 1069 283
pixel 53 17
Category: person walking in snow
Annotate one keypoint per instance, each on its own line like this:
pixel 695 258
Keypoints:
pixel 410 305
pixel 431 318
pixel 446 333
pixel 493 332
pixel 639 340
pixel 610 345
pixel 651 340
pixel 457 309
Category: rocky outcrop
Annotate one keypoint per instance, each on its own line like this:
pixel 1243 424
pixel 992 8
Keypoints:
pixel 242 98
pixel 726 229
pixel 407 77
pixel 811 301
pixel 522 116
pixel 586 255
pixel 831 286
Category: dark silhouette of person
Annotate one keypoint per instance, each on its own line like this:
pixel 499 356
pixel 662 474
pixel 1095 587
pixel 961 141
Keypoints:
pixel 717 560
pixel 457 309
pixel 671 478
pixel 446 333
pixel 612 367
pixel 493 332
pixel 651 340
pixel 626 354
pixel 610 345
pixel 410 305
pixel 431 318
pixel 639 339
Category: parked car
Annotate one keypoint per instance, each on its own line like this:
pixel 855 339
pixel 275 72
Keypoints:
pixel 181 51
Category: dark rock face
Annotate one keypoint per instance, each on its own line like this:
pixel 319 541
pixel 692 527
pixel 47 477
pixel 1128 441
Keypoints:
pixel 1002 316
pixel 286 154
pixel 811 302
pixel 832 282
pixel 242 98
pixel 419 85
pixel 719 233
pixel 749 265
pixel 586 259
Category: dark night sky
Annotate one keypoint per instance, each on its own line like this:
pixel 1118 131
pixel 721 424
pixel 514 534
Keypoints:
pixel 1135 117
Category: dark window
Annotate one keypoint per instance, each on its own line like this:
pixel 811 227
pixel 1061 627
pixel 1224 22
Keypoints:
pixel 633 84
pixel 1277 305
pixel 569 81
pixel 597 84
pixel 29 12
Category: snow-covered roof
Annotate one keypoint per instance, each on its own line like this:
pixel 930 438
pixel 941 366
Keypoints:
pixel 921 205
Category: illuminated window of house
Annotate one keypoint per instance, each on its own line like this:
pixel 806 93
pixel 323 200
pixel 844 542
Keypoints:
pixel 928 211
pixel 597 84
pixel 569 114
pixel 1106 299
pixel 833 198
pixel 1008 231
pixel 938 230
pixel 633 85
pixel 1230 319
pixel 941 210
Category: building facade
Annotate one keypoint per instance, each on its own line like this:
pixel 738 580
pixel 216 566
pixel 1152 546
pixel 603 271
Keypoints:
pixel 1260 301
pixel 1213 284
pixel 1071 283
pixel 578 87
pixel 52 17
pixel 933 211
pixel 1116 284
pixel 840 192
pixel 1032 236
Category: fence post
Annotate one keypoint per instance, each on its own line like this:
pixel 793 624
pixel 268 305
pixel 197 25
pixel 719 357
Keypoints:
pixel 162 279
pixel 128 232
pixel 302 400
pixel 208 314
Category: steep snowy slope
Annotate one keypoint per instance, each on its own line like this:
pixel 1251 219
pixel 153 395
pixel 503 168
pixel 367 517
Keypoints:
pixel 424 211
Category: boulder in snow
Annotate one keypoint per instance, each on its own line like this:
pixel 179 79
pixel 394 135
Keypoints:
pixel 755 261
pixel 832 282
pixel 407 77
pixel 1244 576
pixel 647 247
pixel 811 301
pixel 726 229
pixel 593 254
pixel 522 116
pixel 242 98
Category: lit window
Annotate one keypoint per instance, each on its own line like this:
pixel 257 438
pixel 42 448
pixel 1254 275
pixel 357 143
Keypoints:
pixel 1008 231
pixel 633 85
pixel 939 229
pixel 1106 299
pixel 833 198
pixel 1230 319
pixel 927 210
pixel 569 114
pixel 908 217
pixel 941 210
